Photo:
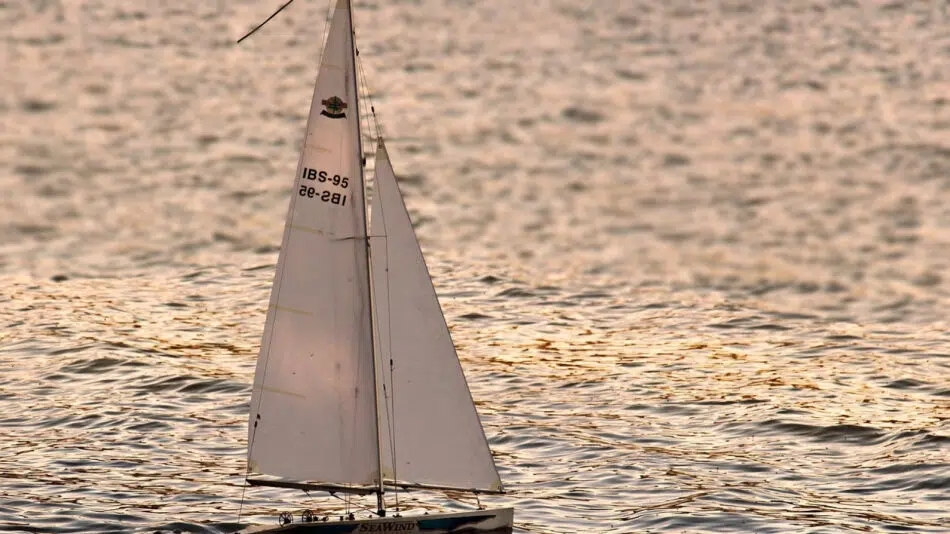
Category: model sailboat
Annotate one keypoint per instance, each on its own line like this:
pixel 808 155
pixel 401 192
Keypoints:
pixel 358 388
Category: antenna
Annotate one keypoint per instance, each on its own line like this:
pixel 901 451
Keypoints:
pixel 259 26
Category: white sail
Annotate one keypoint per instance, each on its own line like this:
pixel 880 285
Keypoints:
pixel 312 412
pixel 426 409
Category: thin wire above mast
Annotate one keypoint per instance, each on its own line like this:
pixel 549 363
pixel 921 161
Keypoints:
pixel 261 25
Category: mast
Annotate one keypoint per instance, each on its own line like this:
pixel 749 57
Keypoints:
pixel 380 489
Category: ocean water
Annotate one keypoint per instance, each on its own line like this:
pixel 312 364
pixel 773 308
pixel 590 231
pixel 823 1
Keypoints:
pixel 693 254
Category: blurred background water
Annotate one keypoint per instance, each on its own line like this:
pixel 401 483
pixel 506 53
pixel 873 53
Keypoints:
pixel 693 253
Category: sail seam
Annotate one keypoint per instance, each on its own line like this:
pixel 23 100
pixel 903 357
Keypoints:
pixel 278 391
pixel 306 228
pixel 292 310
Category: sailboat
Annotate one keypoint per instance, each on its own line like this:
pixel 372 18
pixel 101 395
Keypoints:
pixel 358 388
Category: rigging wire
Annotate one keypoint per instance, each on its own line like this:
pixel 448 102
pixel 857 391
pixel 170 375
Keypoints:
pixel 243 493
pixel 250 445
pixel 361 75
pixel 355 506
pixel 389 396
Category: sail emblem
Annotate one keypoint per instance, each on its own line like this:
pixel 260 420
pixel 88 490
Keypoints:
pixel 335 106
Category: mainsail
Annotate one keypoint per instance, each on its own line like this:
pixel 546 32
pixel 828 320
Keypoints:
pixel 330 409
pixel 429 430
pixel 313 412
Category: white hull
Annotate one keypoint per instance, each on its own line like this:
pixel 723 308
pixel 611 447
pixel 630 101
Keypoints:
pixel 497 521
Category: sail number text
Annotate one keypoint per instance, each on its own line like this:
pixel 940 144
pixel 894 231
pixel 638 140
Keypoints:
pixel 314 175
pixel 324 176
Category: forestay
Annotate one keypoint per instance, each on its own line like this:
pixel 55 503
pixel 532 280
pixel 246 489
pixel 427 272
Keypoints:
pixel 426 409
pixel 312 413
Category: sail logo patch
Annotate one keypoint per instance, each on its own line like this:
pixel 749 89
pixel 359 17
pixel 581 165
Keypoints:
pixel 334 107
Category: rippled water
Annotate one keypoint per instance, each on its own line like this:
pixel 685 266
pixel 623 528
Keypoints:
pixel 693 253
